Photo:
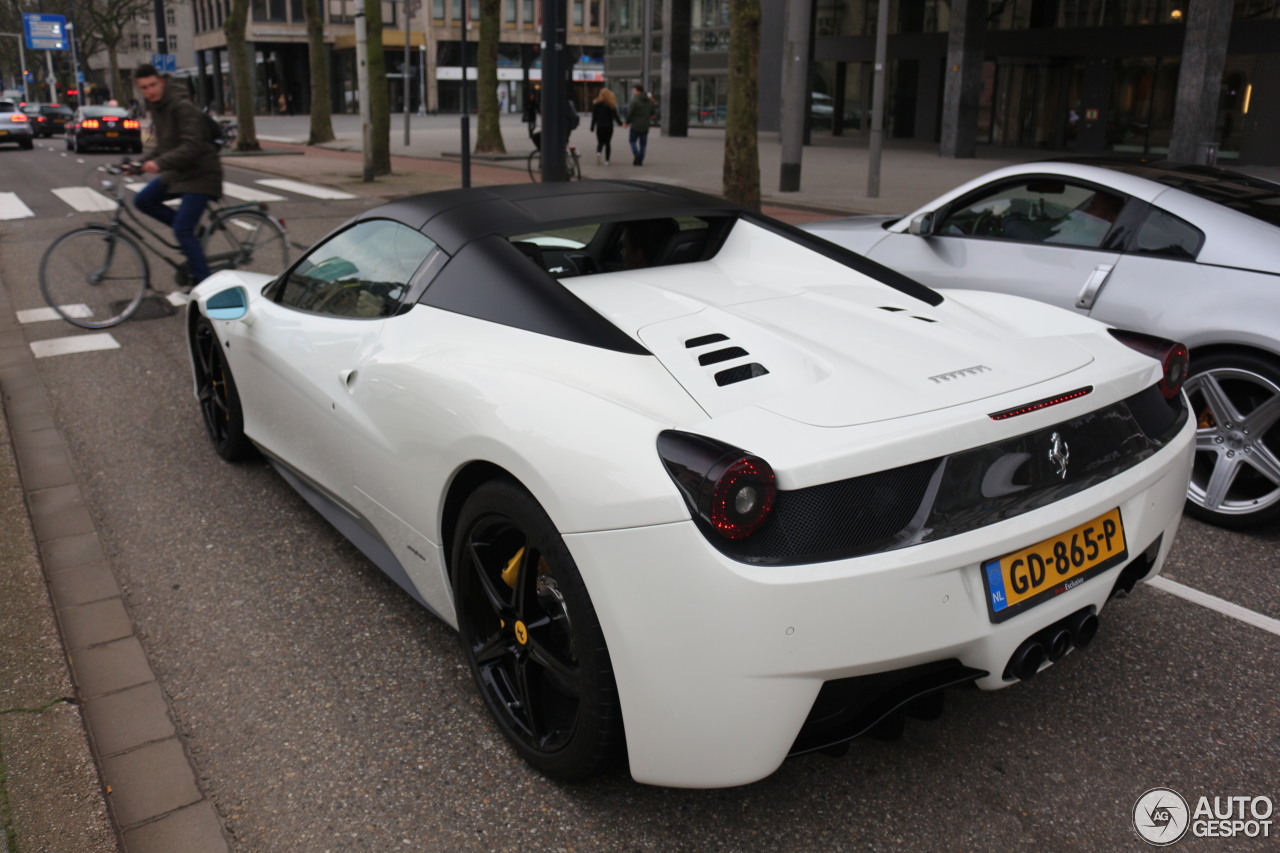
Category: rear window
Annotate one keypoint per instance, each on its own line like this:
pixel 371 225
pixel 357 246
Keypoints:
pixel 55 111
pixel 584 249
pixel 1251 196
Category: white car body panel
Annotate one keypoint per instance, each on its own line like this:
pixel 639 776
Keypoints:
pixel 385 415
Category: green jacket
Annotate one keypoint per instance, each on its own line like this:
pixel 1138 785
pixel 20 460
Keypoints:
pixel 640 113
pixel 188 160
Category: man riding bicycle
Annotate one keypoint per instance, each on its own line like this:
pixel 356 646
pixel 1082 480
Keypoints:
pixel 184 159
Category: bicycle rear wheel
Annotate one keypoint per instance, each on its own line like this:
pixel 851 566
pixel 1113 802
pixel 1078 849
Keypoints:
pixel 535 166
pixel 247 240
pixel 94 278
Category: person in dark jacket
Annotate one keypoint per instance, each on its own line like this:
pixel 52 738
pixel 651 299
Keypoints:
pixel 604 115
pixel 639 116
pixel 185 162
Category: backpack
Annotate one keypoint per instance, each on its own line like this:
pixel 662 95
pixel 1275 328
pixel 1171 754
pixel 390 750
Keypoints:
pixel 212 130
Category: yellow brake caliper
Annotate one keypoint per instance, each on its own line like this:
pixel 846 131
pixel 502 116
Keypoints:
pixel 510 575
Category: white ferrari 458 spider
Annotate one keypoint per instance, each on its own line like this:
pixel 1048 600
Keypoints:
pixel 693 485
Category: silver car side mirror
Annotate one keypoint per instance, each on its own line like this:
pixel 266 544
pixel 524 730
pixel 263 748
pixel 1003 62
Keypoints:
pixel 922 225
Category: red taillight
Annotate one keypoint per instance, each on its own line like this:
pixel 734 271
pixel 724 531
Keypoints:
pixel 89 124
pixel 730 491
pixel 18 117
pixel 131 124
pixel 1173 358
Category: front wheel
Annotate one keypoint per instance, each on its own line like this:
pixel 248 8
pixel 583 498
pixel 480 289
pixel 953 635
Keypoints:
pixel 531 635
pixel 93 278
pixel 216 391
pixel 535 166
pixel 247 240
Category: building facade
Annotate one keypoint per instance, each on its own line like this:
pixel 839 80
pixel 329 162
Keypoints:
pixel 1085 76
pixel 440 43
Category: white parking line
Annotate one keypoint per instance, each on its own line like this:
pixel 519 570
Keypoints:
pixel 84 199
pixel 11 207
pixel 303 189
pixel 1220 605
pixel 43 315
pixel 78 343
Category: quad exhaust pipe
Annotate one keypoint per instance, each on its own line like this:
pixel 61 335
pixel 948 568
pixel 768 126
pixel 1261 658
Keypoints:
pixel 1051 644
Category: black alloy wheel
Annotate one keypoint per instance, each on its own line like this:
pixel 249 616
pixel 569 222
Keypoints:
pixel 531 635
pixel 216 392
pixel 1235 399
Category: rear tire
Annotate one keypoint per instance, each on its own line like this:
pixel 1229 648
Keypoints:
pixel 531 636
pixel 1235 399
pixel 92 278
pixel 216 391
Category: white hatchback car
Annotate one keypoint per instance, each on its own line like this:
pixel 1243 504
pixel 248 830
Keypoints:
pixel 693 482
pixel 1189 253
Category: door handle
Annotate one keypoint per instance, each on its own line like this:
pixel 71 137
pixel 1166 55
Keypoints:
pixel 1096 279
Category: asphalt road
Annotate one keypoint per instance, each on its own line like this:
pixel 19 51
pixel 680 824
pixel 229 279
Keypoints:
pixel 326 712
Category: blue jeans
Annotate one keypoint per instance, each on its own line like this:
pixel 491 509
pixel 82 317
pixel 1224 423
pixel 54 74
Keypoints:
pixel 639 141
pixel 151 201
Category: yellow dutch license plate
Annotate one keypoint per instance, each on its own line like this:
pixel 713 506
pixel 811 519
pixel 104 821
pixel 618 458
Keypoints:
pixel 112 133
pixel 1023 579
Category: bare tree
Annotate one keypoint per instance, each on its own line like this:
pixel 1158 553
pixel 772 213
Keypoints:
pixel 379 97
pixel 100 26
pixel 321 117
pixel 741 153
pixel 241 75
pixel 488 131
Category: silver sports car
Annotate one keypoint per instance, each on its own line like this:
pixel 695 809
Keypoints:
pixel 1189 253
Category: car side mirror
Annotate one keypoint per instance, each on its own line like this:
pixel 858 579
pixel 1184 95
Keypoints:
pixel 922 225
pixel 229 304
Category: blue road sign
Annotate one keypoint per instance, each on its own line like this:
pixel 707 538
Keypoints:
pixel 45 32
pixel 165 63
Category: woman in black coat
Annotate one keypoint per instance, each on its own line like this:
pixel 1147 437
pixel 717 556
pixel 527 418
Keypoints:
pixel 604 115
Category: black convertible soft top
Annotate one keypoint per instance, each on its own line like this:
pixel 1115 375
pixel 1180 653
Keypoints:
pixel 487 277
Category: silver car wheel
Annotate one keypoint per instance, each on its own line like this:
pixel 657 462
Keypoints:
pixel 1236 477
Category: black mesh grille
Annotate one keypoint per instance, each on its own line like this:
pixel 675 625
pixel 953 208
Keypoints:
pixel 740 373
pixel 954 494
pixel 705 339
pixel 717 356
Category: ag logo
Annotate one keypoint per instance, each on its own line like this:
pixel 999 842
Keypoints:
pixel 1161 816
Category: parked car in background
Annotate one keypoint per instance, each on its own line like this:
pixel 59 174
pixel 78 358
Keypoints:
pixel 1185 252
pixel 692 484
pixel 104 127
pixel 15 125
pixel 48 119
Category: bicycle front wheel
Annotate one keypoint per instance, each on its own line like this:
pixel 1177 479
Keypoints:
pixel 247 240
pixel 94 278
pixel 535 166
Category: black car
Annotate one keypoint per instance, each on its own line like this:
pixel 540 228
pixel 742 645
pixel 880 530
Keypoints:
pixel 104 127
pixel 47 119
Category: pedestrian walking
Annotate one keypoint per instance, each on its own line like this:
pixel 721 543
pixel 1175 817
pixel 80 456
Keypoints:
pixel 604 115
pixel 184 160
pixel 639 117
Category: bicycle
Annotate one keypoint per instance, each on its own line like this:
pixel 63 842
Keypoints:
pixel 97 276
pixel 572 166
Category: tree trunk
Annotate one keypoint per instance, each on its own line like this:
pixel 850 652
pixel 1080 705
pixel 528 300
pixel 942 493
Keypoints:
pixel 741 153
pixel 321 118
pixel 379 97
pixel 241 75
pixel 488 131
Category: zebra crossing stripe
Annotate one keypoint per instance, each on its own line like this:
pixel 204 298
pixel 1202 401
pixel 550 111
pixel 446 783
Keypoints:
pixel 11 207
pixel 304 189
pixel 77 343
pixel 43 315
pixel 84 199
pixel 248 193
